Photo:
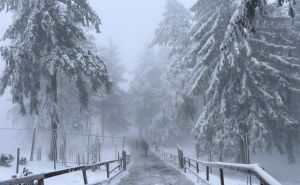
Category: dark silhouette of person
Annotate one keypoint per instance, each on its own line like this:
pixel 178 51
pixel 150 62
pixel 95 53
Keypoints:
pixel 145 147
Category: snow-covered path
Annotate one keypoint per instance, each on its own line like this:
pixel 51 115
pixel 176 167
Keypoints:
pixel 153 171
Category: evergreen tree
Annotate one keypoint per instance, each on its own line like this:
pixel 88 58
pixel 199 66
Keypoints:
pixel 177 111
pixel 47 39
pixel 246 85
pixel 173 32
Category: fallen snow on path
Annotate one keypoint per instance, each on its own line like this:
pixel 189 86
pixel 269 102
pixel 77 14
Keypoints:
pixel 153 171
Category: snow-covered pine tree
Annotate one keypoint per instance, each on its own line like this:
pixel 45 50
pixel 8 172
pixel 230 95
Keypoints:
pixel 173 32
pixel 212 17
pixel 174 38
pixel 243 19
pixel 47 38
pixel 248 84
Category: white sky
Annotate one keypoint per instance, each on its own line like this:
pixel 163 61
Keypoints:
pixel 130 24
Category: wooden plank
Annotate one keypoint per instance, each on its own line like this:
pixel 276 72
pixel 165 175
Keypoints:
pixel 62 172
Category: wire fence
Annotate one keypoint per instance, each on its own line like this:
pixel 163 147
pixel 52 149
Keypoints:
pixel 61 146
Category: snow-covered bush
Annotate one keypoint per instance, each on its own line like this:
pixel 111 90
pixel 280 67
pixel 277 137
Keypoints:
pixel 23 161
pixel 6 160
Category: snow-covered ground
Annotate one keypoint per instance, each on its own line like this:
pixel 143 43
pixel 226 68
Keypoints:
pixel 74 178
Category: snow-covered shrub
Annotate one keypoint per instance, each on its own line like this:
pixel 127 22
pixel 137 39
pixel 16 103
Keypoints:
pixel 6 160
pixel 26 172
pixel 23 161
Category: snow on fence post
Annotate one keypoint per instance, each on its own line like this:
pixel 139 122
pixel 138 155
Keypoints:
pixel 32 145
pixel 18 158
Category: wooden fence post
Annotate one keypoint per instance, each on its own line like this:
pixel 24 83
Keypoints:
pixel 107 170
pixel 221 176
pixel 124 160
pixel 197 166
pixel 78 158
pixel 180 158
pixel 18 158
pixel 41 182
pixel 120 163
pixel 84 176
pixel 32 145
pixel 207 173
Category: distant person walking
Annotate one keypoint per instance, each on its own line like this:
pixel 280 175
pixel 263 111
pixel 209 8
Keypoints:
pixel 145 147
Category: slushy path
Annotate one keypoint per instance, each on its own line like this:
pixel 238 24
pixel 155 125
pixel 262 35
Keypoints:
pixel 153 171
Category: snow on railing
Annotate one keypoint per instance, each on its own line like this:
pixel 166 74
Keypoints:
pixel 253 169
pixel 194 164
pixel 39 178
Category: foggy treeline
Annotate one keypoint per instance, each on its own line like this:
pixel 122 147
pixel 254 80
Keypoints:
pixel 224 73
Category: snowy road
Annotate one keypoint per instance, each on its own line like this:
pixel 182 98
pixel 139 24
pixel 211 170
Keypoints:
pixel 153 171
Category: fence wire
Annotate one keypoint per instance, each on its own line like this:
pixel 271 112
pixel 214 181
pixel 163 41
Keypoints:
pixel 69 147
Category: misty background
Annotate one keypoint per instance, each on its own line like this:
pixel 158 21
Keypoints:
pixel 167 65
pixel 120 23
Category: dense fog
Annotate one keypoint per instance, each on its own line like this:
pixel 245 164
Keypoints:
pixel 83 81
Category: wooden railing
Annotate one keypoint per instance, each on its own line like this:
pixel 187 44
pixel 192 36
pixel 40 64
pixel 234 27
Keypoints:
pixel 122 165
pixel 197 166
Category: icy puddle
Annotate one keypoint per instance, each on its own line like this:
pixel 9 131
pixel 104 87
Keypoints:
pixel 153 171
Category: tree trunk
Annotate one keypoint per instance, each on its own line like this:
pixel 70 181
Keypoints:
pixel 102 126
pixel 242 152
pixel 54 117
